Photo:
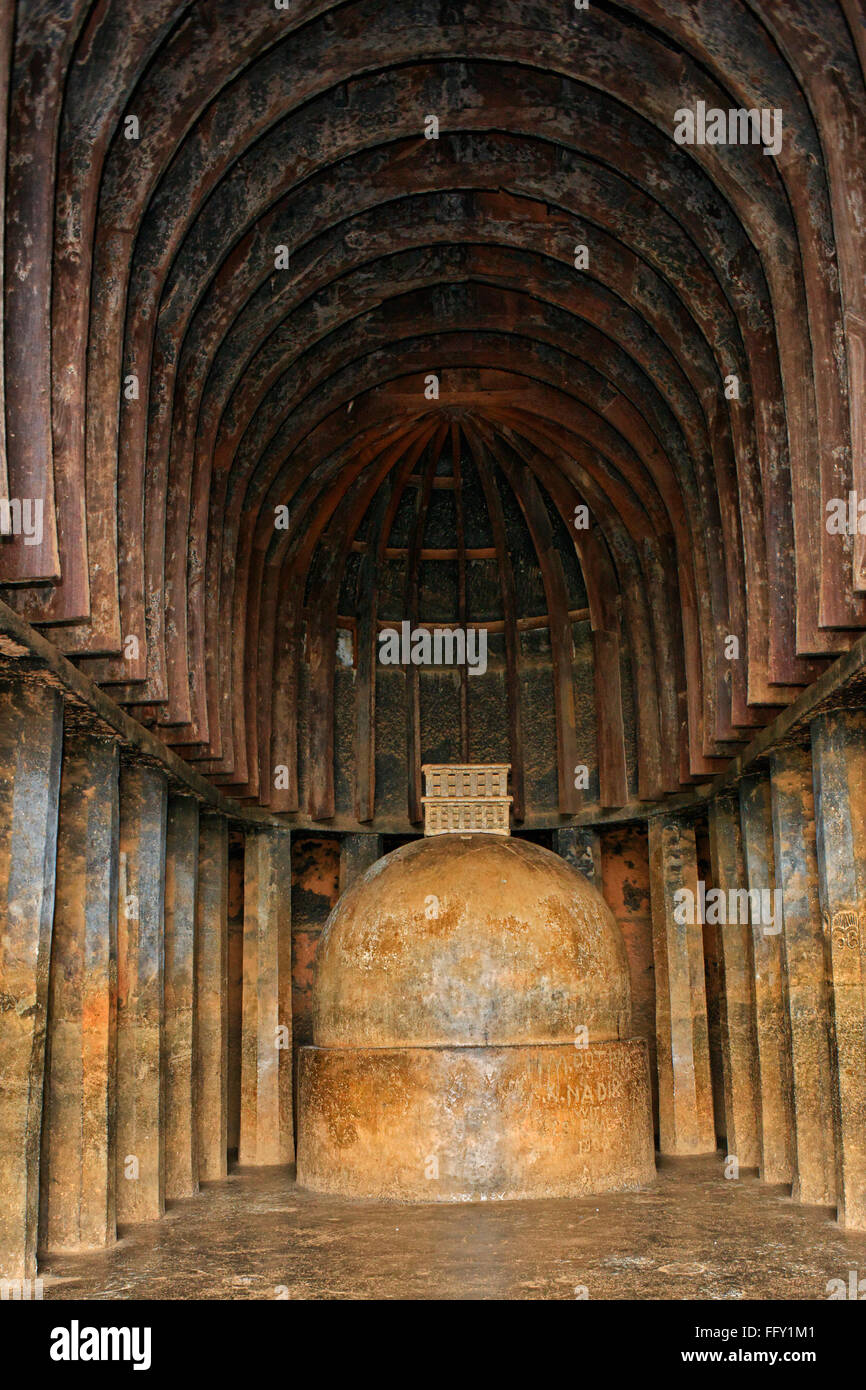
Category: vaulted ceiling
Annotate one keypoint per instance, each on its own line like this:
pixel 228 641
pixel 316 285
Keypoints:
pixel 235 261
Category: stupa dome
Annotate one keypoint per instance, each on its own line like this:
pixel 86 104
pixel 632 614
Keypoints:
pixel 470 940
pixel 471 1023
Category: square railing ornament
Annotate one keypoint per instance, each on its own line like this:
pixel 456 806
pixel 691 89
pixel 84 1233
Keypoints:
pixel 466 798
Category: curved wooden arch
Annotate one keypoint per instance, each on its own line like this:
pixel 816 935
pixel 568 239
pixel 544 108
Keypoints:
pixel 166 387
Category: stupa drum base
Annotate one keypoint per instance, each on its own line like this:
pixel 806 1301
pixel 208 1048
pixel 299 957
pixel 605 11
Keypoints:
pixel 447 1124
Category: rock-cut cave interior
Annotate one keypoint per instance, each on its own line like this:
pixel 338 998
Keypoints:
pixel 432 649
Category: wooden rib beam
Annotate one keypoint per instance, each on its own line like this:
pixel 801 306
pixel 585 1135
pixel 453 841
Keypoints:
pixel 411 606
pixel 510 625
pixel 531 503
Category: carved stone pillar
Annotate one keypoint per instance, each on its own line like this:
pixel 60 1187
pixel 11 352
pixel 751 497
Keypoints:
pixel 580 846
pixel 78 1154
pixel 839 754
pixel 808 996
pixel 141 997
pixel 357 853
pixel 266 1135
pixel 686 1123
pixel 181 878
pixel 771 993
pixel 212 997
pixel 738 1027
pixel 31 735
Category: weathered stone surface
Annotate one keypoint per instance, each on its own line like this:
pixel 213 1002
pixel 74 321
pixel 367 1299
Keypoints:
pixel 686 1124
pixel 559 381
pixel 472 994
pixel 713 976
pixel 211 999
pixel 357 853
pixel 235 983
pixel 625 886
pixel 614 1246
pixel 778 1140
pixel 141 996
pixel 31 732
pixel 266 1132
pixel 315 890
pixel 741 1078
pixel 181 875
pixel 580 846
pixel 796 857
pixel 471 940
pixel 448 1124
pixel 839 757
pixel 79 1122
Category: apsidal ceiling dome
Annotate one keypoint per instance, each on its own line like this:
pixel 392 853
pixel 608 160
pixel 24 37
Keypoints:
pixel 470 940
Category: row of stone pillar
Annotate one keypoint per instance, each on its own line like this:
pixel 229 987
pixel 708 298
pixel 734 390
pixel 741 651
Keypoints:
pixel 113 989
pixel 113 980
pixel 793 997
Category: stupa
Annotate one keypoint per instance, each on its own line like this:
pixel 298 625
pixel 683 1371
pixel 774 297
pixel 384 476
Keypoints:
pixel 471 1027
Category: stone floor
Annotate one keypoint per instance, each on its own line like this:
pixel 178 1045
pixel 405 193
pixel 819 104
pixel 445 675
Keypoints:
pixel 691 1234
